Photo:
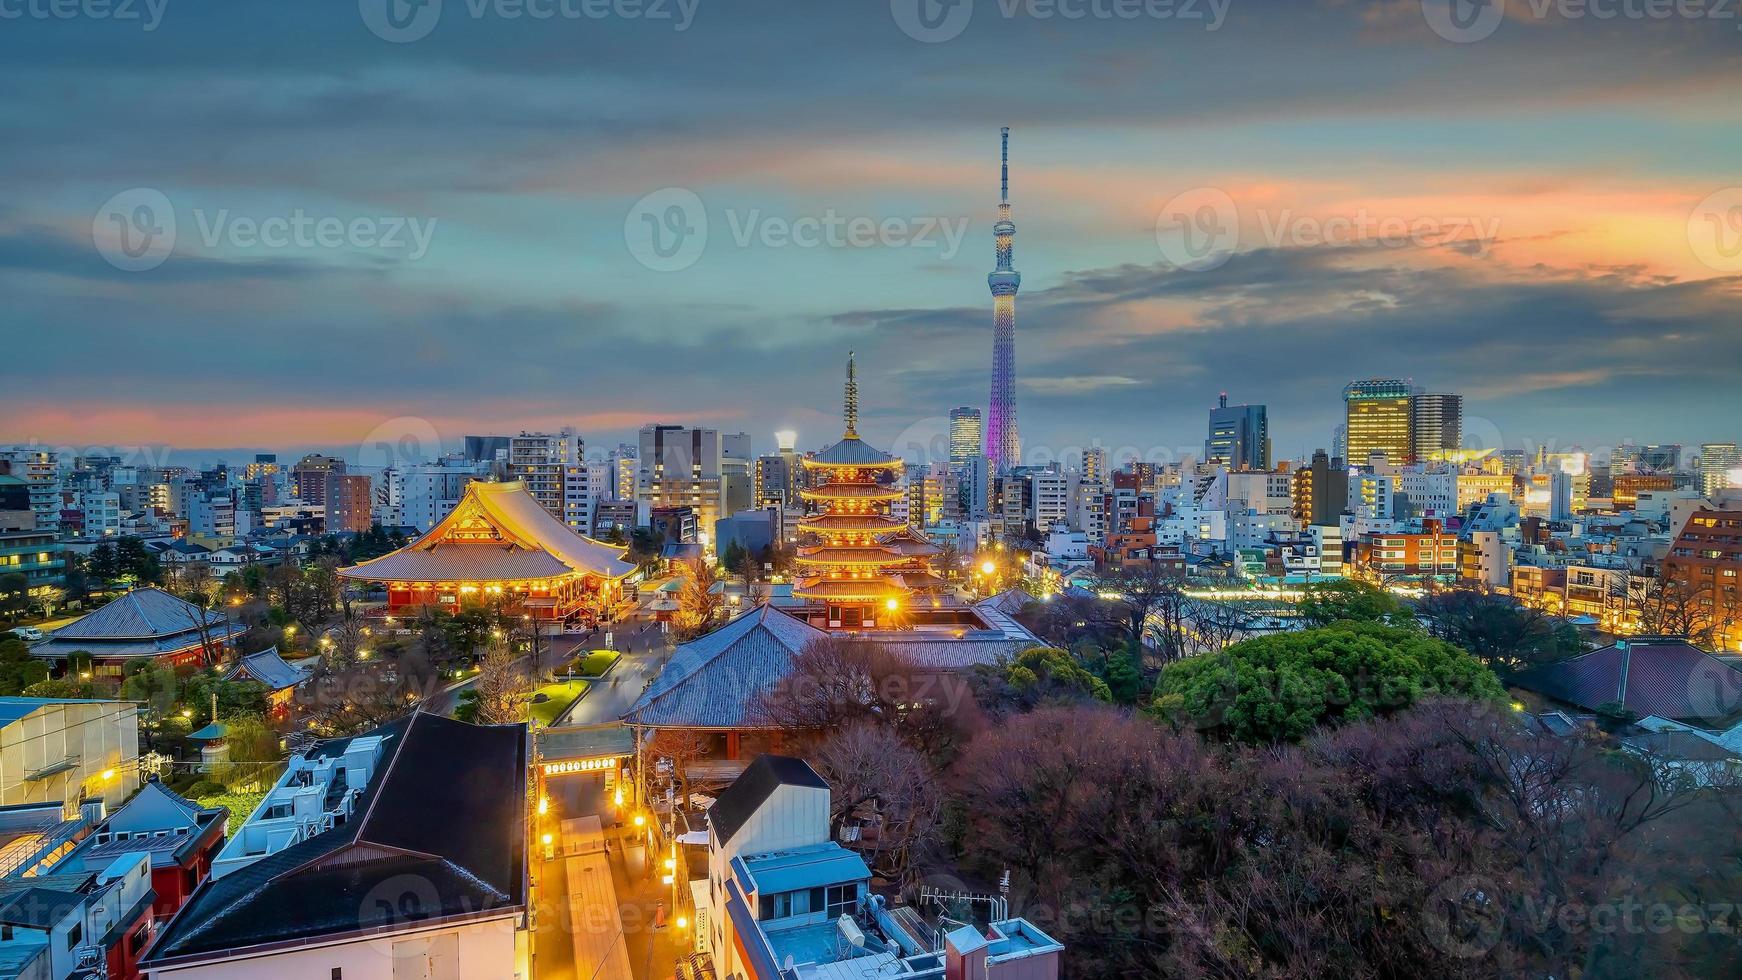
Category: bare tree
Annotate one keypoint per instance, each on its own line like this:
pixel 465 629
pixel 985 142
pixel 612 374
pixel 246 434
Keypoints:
pixel 501 687
pixel 870 770
pixel 681 747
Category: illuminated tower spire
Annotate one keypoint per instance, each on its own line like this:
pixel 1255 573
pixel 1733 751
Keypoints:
pixel 851 409
pixel 1003 444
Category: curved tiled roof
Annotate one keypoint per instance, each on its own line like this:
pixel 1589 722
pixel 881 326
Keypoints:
pixel 851 491
pixel 713 680
pixel 142 614
pixel 848 523
pixel 852 451
pixel 498 531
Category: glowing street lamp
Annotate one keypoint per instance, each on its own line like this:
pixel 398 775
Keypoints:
pixel 988 566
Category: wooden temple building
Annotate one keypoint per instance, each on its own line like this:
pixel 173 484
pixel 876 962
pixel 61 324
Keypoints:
pixel 859 567
pixel 500 545
pixel 861 571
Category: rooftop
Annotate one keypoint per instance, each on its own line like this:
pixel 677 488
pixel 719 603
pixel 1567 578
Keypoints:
pixel 471 861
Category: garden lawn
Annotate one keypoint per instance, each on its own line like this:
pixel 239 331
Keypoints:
pixel 595 664
pixel 559 696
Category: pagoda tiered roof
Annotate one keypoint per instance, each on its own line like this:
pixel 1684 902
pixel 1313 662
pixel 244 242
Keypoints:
pixel 497 533
pixel 851 491
pixel 852 452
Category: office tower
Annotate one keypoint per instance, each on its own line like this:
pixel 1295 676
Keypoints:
pixel 309 477
pixel 553 467
pixel 679 466
pixel 1239 436
pixel 1377 418
pixel 349 502
pixel 265 464
pixel 1321 490
pixel 1436 425
pixel 1095 465
pixel 485 449
pixel 965 434
pixel 1003 444
pixel 1714 464
pixel 736 464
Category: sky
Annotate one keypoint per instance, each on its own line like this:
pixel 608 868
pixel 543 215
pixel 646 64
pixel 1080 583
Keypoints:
pixel 374 227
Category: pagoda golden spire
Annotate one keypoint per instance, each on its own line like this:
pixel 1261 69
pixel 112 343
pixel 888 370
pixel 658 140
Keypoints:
pixel 851 409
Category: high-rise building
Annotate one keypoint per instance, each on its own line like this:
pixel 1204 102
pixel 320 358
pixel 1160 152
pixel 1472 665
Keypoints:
pixel 1003 444
pixel 485 449
pixel 349 502
pixel 737 461
pixel 1095 465
pixel 265 464
pixel 1436 425
pixel 1321 490
pixel 1239 436
pixel 1377 419
pixel 679 466
pixel 965 434
pixel 553 467
pixel 309 477
pixel 1714 464
pixel 40 470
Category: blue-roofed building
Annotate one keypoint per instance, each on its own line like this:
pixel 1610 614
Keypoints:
pixel 145 624
pixel 784 902
pixel 713 683
pixel 270 670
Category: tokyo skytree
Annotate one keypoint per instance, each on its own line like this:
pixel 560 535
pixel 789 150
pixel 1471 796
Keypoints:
pixel 1003 444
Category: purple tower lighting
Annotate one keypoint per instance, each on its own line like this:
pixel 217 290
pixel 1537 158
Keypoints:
pixel 1003 444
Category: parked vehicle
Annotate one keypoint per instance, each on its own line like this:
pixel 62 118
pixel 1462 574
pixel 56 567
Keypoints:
pixel 28 634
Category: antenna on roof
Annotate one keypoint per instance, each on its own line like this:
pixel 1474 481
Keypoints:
pixel 1004 169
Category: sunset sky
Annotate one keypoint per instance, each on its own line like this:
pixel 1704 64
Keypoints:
pixel 1558 176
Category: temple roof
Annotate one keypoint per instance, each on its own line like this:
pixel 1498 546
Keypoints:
pixel 852 451
pixel 851 491
pixel 847 523
pixel 850 555
pixel 850 588
pixel 713 680
pixel 146 622
pixel 498 531
pixel 268 668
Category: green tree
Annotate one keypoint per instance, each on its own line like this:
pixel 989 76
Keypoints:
pixel 1279 688
pixel 1349 600
pixel 14 594
pixel 234 697
pixel 58 688
pixel 152 685
pixel 18 669
pixel 1051 673
pixel 253 748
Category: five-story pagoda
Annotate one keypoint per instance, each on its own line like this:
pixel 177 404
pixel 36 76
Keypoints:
pixel 857 561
